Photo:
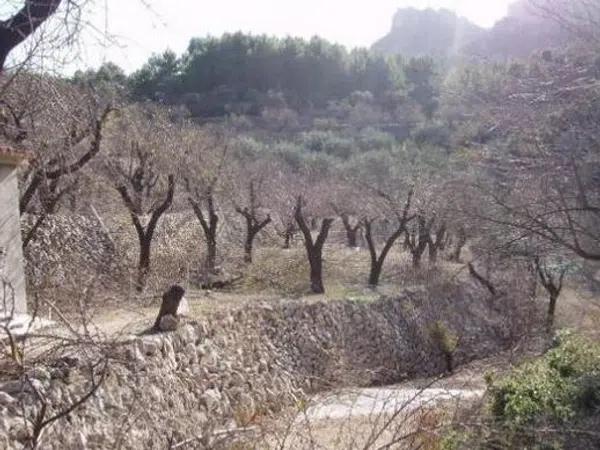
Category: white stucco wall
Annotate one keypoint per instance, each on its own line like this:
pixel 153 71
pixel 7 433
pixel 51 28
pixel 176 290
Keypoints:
pixel 11 258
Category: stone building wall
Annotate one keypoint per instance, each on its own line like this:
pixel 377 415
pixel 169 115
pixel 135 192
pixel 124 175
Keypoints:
pixel 12 277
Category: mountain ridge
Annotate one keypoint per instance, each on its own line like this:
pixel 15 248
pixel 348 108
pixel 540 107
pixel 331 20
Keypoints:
pixel 442 33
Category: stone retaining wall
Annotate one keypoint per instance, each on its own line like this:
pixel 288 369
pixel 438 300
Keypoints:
pixel 231 369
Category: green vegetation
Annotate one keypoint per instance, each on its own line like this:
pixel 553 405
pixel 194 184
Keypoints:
pixel 445 340
pixel 561 386
pixel 240 72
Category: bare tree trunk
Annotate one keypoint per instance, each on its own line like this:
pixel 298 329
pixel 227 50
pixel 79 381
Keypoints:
pixel 144 262
pixel 377 261
pixel 287 240
pixel 351 231
pixel 209 227
pixel 316 271
pixel 482 280
pixel 17 28
pixel 145 235
pixel 253 227
pixel 461 241
pixel 248 247
pixel 551 311
pixel 435 245
pixel 553 286
pixel 418 241
pixel 288 234
pixel 211 254
pixel 314 249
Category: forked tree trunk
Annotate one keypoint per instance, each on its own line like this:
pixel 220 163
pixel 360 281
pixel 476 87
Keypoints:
pixel 209 222
pixel 351 231
pixel 253 227
pixel 378 261
pixel 553 286
pixel 146 234
pixel 314 248
pixel 461 241
pixel 417 241
pixel 435 245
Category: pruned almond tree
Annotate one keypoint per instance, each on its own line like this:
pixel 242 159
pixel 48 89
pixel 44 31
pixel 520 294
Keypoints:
pixel 401 219
pixel 313 244
pixel 207 159
pixel 141 169
pixel 253 190
pixel 61 126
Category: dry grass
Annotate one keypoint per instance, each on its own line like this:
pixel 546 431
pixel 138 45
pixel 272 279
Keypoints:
pixel 579 310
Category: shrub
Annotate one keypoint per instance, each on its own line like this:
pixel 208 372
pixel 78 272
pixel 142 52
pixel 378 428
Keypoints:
pixel 562 385
pixel 445 340
pixel 327 142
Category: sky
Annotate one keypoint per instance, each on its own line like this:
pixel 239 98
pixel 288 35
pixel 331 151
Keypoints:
pixel 142 27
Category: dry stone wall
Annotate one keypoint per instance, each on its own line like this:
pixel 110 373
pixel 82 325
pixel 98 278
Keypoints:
pixel 229 370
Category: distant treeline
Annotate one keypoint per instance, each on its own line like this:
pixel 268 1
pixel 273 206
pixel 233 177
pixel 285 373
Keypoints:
pixel 242 69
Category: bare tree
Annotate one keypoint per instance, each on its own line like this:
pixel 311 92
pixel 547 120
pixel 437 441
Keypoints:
pixel 552 281
pixel 253 185
pixel 253 225
pixel 288 233
pixel 207 157
pixel 203 205
pixel 62 127
pixel 23 23
pixel 351 228
pixel 547 187
pixel 377 261
pixel 314 247
pixel 437 241
pixel 348 204
pixel 141 177
pixel 141 180
pixel 459 244
pixel 418 237
pixel 581 18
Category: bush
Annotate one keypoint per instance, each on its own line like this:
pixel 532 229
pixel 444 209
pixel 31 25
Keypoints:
pixel 552 402
pixel 562 385
pixel 445 340
pixel 373 139
pixel 327 142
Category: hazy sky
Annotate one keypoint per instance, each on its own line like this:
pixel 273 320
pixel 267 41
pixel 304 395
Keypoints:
pixel 171 23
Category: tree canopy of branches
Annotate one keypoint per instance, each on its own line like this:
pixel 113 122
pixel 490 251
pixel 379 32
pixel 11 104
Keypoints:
pixel 546 184
pixel 23 23
pixel 401 220
pixel 62 126
pixel 143 176
pixel 207 158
